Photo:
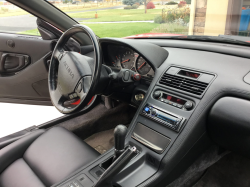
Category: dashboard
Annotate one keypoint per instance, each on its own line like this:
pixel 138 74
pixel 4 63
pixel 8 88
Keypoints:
pixel 123 57
pixel 198 96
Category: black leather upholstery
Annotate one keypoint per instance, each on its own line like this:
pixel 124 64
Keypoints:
pixel 43 159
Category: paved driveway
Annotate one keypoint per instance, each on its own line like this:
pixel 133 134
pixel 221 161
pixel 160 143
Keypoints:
pixel 16 24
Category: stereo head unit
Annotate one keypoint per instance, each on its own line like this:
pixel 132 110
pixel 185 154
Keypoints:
pixel 161 116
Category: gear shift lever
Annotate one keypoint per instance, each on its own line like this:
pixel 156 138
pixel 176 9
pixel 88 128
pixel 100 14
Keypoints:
pixel 120 160
pixel 120 133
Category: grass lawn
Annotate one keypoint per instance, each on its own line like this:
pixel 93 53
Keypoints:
pixel 87 7
pixel 31 32
pixel 117 30
pixel 120 30
pixel 118 15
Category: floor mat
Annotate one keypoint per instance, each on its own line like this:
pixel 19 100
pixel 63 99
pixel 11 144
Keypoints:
pixel 232 170
pixel 99 119
pixel 101 141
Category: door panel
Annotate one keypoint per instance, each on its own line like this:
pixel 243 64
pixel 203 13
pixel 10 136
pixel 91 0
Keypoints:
pixel 29 85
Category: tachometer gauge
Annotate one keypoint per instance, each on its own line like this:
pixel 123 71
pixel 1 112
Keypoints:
pixel 127 59
pixel 116 61
pixel 142 66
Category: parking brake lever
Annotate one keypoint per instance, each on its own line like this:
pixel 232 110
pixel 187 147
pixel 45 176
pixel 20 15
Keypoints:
pixel 106 178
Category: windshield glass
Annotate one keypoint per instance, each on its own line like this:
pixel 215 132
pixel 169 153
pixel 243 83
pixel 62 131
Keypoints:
pixel 147 18
pixel 153 18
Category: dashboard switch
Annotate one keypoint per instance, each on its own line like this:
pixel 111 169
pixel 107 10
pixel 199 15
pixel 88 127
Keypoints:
pixel 179 106
pixel 153 112
pixel 126 75
pixel 147 110
pixel 136 77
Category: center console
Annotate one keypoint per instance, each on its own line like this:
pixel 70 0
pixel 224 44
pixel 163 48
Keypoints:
pixel 158 122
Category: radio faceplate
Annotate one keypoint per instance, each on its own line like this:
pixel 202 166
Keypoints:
pixel 163 117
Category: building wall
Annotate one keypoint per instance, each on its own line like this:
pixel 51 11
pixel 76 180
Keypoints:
pixel 216 17
pixel 199 22
pixel 197 17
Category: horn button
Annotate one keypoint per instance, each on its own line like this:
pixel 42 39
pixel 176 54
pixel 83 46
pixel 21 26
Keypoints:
pixel 72 68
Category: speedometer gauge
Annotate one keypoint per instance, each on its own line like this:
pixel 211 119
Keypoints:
pixel 128 59
pixel 142 66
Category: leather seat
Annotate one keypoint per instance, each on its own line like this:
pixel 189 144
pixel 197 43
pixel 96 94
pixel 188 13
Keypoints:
pixel 43 158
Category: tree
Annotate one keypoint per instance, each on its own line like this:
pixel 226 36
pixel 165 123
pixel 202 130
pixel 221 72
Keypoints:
pixel 145 4
pixel 150 5
pixel 188 1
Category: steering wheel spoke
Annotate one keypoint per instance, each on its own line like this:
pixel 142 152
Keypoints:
pixel 58 53
pixel 57 98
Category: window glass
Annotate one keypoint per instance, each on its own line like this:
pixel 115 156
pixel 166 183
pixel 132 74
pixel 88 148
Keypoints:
pixel 17 117
pixel 15 20
pixel 123 18
pixel 111 18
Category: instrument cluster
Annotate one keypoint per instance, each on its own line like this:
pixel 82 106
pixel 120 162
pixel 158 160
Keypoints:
pixel 124 57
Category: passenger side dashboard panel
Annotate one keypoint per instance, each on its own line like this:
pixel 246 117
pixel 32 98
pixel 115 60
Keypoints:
pixel 228 124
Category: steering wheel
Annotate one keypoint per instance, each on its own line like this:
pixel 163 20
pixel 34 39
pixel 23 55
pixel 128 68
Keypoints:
pixel 73 77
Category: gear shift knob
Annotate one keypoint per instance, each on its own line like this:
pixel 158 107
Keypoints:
pixel 120 133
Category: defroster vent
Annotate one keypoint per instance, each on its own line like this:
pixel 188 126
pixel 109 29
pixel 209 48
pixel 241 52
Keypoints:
pixel 183 83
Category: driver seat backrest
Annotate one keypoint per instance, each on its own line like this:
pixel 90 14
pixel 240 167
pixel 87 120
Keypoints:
pixel 43 158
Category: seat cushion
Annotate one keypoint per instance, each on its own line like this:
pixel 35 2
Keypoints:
pixel 56 154
pixel 15 150
pixel 19 174
pixel 43 158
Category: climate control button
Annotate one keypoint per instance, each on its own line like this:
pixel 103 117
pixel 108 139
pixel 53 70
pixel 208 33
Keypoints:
pixel 188 105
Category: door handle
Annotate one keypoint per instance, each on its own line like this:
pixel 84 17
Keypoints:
pixel 11 62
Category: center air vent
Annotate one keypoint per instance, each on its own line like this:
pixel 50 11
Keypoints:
pixel 183 83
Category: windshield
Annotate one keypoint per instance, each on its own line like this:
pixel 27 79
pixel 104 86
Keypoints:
pixel 145 18
pixel 227 19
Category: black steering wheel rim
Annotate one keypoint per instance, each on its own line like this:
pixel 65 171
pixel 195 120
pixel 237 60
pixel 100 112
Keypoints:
pixel 67 67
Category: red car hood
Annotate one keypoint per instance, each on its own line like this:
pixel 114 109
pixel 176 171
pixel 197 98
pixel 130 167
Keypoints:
pixel 146 35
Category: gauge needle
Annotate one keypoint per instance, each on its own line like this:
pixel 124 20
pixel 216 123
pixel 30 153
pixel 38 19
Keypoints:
pixel 125 61
pixel 142 65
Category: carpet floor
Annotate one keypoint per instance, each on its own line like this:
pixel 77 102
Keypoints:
pixel 99 119
pixel 232 170
pixel 101 141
